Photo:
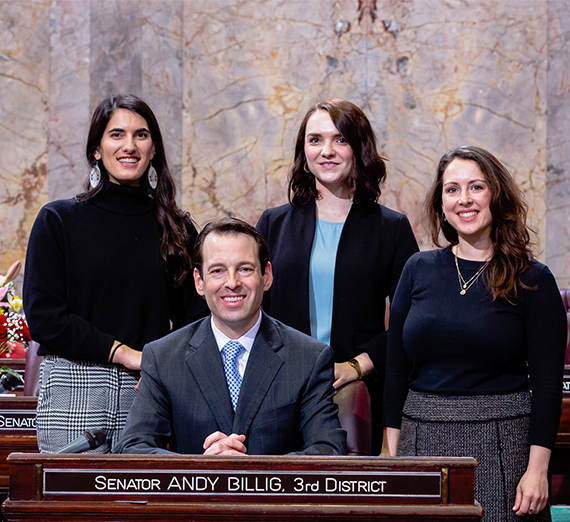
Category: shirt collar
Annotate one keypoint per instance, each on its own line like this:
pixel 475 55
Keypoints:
pixel 246 339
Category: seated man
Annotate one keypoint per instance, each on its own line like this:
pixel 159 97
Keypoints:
pixel 269 393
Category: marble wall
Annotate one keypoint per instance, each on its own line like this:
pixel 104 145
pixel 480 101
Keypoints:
pixel 230 81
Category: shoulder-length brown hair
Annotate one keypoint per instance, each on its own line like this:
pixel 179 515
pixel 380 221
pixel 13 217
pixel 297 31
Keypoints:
pixel 512 253
pixel 369 170
pixel 172 220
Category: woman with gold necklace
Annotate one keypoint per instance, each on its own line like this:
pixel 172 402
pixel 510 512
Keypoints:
pixel 469 323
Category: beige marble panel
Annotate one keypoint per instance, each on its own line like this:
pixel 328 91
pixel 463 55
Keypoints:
pixel 24 56
pixel 109 49
pixel 250 69
pixel 162 75
pixel 428 78
pixel 115 47
pixel 230 81
pixel 558 143
pixel 455 75
pixel 69 96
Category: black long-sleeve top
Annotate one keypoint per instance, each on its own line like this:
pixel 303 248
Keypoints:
pixel 94 273
pixel 442 342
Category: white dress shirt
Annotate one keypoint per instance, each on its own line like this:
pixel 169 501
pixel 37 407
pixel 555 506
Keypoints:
pixel 246 341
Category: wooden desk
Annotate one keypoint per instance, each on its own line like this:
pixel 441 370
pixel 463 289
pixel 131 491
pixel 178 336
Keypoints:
pixel 48 487
pixel 17 431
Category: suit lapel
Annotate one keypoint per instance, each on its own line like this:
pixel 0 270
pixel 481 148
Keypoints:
pixel 352 247
pixel 205 363
pixel 262 367
pixel 303 225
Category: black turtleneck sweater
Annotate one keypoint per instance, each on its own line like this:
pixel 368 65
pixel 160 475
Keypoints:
pixel 94 273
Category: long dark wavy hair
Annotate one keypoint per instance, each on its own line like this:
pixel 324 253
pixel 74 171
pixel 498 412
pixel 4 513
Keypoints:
pixel 369 170
pixel 172 220
pixel 512 252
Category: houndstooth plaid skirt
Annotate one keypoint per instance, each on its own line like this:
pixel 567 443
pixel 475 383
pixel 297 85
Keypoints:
pixel 78 396
pixel 492 428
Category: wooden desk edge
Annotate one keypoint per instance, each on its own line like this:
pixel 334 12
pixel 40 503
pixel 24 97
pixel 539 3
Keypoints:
pixel 210 509
pixel 254 460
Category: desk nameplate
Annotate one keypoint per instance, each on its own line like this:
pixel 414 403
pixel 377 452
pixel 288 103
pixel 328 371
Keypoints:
pixel 17 421
pixel 263 486
pixel 566 384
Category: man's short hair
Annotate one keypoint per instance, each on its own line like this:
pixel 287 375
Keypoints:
pixel 229 226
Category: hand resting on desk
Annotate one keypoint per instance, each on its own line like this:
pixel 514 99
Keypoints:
pixel 219 443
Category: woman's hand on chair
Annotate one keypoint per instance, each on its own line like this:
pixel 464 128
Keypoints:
pixel 345 373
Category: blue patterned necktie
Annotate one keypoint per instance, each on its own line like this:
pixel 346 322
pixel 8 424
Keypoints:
pixel 231 350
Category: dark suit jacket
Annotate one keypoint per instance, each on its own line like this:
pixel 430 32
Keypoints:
pixel 374 246
pixel 285 403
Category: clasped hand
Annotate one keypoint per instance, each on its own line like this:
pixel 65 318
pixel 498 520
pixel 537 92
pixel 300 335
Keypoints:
pixel 219 443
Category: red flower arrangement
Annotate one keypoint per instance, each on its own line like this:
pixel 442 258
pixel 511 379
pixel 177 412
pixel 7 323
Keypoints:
pixel 14 333
pixel 13 329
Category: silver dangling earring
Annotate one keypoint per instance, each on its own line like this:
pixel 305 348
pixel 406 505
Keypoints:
pixel 152 177
pixel 95 176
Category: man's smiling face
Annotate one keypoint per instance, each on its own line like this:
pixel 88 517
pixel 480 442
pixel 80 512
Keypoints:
pixel 232 282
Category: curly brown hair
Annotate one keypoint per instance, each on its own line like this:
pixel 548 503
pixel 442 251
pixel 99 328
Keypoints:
pixel 370 171
pixel 512 252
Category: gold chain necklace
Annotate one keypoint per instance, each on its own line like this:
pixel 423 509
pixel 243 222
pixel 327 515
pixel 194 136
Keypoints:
pixel 467 285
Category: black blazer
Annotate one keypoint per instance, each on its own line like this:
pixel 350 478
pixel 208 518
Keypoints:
pixel 285 403
pixel 374 246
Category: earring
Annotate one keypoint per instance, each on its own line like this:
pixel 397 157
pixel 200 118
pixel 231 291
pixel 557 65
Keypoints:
pixel 95 176
pixel 306 168
pixel 152 177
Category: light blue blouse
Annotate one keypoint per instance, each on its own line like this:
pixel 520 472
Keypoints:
pixel 321 278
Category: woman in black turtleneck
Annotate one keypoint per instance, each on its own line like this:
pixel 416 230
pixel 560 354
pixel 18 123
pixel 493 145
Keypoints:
pixel 107 272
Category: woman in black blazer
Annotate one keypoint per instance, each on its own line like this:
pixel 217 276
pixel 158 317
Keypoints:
pixel 336 253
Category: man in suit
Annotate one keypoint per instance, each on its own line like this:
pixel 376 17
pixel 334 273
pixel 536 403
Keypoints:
pixel 269 393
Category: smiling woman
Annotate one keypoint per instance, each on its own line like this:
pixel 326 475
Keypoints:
pixel 126 148
pixel 106 273
pixel 469 323
pixel 329 156
pixel 466 205
pixel 336 253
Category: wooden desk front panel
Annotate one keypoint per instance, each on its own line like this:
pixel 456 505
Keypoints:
pixel 45 487
pixel 17 431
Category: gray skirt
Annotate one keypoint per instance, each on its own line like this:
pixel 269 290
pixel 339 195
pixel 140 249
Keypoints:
pixel 492 428
pixel 78 396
